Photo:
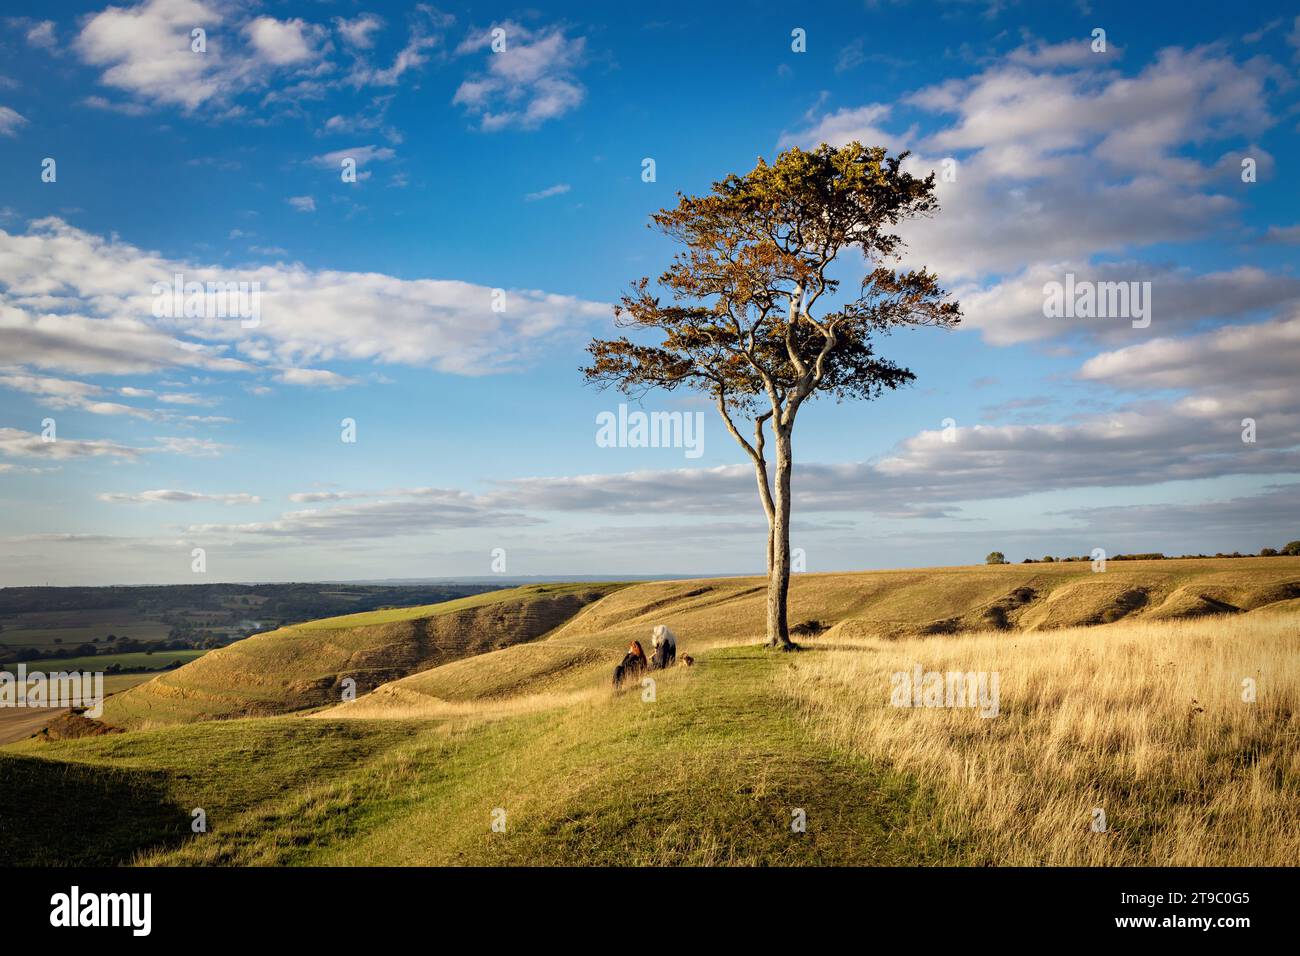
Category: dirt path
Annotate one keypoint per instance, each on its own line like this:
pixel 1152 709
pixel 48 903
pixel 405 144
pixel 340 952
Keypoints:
pixel 19 723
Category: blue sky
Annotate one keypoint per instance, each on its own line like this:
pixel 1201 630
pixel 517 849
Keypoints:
pixel 521 171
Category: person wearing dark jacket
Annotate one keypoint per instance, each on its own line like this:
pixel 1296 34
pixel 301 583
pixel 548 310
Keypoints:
pixel 633 663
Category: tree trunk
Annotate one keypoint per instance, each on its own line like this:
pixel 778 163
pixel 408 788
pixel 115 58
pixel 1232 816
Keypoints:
pixel 778 576
pixel 769 509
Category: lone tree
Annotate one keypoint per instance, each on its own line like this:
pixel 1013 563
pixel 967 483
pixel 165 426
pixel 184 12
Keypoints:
pixel 751 322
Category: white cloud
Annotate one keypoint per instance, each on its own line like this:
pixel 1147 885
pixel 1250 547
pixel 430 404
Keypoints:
pixel 1011 311
pixel 60 393
pixel 528 83
pixel 557 190
pixel 190 447
pixel 144 50
pixel 422 40
pixel 317 377
pixel 302 203
pixel 846 125
pixel 109 106
pixel 438 509
pixel 1283 235
pixel 41 35
pixel 1249 366
pixel 928 476
pixel 358 31
pixel 16 443
pixel 1069 53
pixel 362 156
pixel 1061 162
pixel 73 301
pixel 183 398
pixel 171 496
pixel 10 121
pixel 284 42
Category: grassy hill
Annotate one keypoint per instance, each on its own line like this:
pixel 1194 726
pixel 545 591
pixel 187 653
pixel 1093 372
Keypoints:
pixel 916 602
pixel 304 666
pixel 1143 717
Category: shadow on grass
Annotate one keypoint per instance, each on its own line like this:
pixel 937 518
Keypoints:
pixel 65 814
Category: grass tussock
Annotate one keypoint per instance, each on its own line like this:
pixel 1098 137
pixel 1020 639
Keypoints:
pixel 1144 720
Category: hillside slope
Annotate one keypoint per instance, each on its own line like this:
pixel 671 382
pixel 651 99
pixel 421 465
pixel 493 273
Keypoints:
pixel 400 653
pixel 922 601
pixel 707 774
pixel 574 661
pixel 1144 719
pixel 304 666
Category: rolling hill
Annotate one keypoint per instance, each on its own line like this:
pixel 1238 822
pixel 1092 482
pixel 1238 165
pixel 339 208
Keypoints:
pixel 305 666
pixel 1120 690
pixel 396 653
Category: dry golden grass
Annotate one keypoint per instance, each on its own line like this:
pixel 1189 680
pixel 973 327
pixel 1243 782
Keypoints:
pixel 920 601
pixel 304 666
pixel 1145 720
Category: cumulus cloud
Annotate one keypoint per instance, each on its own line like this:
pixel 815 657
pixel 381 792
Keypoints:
pixel 1058 159
pixel 73 301
pixel 1248 365
pixel 531 81
pixel 1011 311
pixel 284 42
pixel 845 125
pixel 144 51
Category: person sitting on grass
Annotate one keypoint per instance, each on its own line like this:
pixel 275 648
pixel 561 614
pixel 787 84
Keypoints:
pixel 665 645
pixel 633 663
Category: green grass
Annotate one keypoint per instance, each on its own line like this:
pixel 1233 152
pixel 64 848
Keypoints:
pixel 28 631
pixel 708 773
pixel 125 794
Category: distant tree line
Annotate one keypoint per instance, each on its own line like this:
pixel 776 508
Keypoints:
pixel 1291 548
pixel 112 644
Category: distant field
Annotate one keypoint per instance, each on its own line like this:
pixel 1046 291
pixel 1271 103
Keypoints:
pixel 40 618
pixel 158 660
pixel 42 629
